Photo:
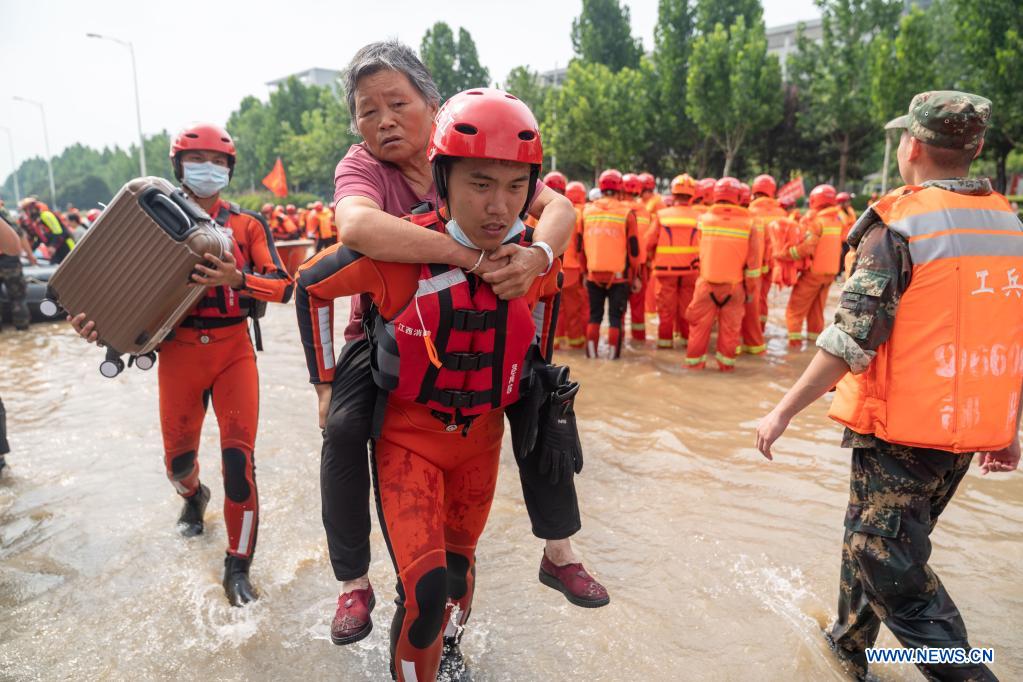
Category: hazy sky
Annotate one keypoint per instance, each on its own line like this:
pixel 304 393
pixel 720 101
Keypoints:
pixel 198 59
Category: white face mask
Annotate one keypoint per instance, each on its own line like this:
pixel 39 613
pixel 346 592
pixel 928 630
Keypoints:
pixel 205 179
pixel 458 234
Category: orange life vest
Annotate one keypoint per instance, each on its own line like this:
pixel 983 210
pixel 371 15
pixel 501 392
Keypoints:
pixel 828 255
pixel 644 220
pixel 678 241
pixel 605 237
pixel 949 375
pixel 724 243
pixel 326 223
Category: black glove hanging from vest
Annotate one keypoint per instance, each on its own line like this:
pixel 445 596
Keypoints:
pixel 524 414
pixel 558 445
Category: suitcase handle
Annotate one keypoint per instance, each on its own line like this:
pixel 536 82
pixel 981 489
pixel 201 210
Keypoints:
pixel 167 214
pixel 185 204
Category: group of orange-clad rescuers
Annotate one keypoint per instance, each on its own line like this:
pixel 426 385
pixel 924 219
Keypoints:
pixel 710 254
pixel 312 222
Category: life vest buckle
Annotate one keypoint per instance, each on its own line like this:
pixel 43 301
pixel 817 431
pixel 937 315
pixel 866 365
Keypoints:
pixel 473 320
pixel 467 362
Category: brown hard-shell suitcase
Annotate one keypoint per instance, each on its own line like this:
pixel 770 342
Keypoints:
pixel 131 271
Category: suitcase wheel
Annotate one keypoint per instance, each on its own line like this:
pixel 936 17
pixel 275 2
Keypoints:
pixel 145 362
pixel 111 367
pixel 49 308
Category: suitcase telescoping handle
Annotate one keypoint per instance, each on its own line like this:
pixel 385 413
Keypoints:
pixel 175 214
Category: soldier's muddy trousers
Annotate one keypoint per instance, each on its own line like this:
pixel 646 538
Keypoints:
pixel 896 495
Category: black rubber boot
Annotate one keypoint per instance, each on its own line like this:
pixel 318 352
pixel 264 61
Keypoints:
pixel 236 581
pixel 190 522
pixel 452 663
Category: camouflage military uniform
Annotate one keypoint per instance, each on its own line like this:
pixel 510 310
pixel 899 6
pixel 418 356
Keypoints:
pixel 12 279
pixel 896 492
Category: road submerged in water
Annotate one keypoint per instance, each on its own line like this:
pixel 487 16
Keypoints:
pixel 720 565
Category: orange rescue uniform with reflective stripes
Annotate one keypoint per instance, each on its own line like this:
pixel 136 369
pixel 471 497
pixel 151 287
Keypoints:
pixel 608 225
pixel 676 267
pixel 949 376
pixel 571 329
pixel 764 210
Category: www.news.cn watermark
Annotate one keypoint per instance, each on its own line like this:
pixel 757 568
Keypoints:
pixel 932 656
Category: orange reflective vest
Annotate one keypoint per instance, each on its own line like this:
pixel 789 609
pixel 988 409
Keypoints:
pixel 326 223
pixel 726 233
pixel 644 221
pixel 678 241
pixel 827 256
pixel 949 375
pixel 605 235
pixel 764 210
pixel 570 260
pixel 785 234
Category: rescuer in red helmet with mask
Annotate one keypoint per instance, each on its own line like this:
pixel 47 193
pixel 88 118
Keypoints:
pixel 210 357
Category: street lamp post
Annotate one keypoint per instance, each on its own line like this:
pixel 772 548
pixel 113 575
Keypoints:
pixel 138 108
pixel 14 165
pixel 46 141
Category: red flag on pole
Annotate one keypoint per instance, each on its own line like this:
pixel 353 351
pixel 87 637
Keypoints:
pixel 276 181
pixel 792 190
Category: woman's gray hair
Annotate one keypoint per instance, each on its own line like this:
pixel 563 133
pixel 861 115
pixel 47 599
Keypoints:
pixel 388 55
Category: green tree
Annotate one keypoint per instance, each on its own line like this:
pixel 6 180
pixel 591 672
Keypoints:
pixel 257 135
pixel 990 35
pixel 472 73
pixel 312 155
pixel 597 118
pixel 673 131
pixel 834 76
pixel 904 66
pixel 734 86
pixel 710 13
pixel 454 64
pixel 527 86
pixel 603 34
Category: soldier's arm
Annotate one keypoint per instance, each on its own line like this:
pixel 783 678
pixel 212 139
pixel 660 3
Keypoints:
pixel 870 298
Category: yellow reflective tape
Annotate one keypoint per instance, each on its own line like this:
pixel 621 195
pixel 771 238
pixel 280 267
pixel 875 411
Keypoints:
pixel 679 222
pixel 755 272
pixel 696 361
pixel 794 252
pixel 831 230
pixel 795 336
pixel 725 360
pixel 664 343
pixel 678 249
pixel 723 230
pixel 610 217
pixel 764 269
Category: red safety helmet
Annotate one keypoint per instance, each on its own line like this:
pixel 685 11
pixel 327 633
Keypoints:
pixel 683 184
pixel 822 196
pixel 765 184
pixel 318 206
pixel 576 192
pixel 610 180
pixel 290 208
pixel 705 190
pixel 556 181
pixel 204 137
pixel 648 181
pixel 485 123
pixel 727 189
pixel 843 197
pixel 266 208
pixel 631 184
pixel 92 215
pixel 744 194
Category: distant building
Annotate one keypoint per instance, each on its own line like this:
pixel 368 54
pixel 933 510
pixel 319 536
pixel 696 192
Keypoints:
pixel 781 40
pixel 321 77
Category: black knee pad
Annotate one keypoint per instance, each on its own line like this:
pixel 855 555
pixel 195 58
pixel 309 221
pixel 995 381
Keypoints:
pixel 182 465
pixel 458 575
pixel 431 596
pixel 236 486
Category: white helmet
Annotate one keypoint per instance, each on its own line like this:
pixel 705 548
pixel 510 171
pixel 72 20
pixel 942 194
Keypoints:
pixel 595 194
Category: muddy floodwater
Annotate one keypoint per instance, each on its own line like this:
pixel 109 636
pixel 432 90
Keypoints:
pixel 720 565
